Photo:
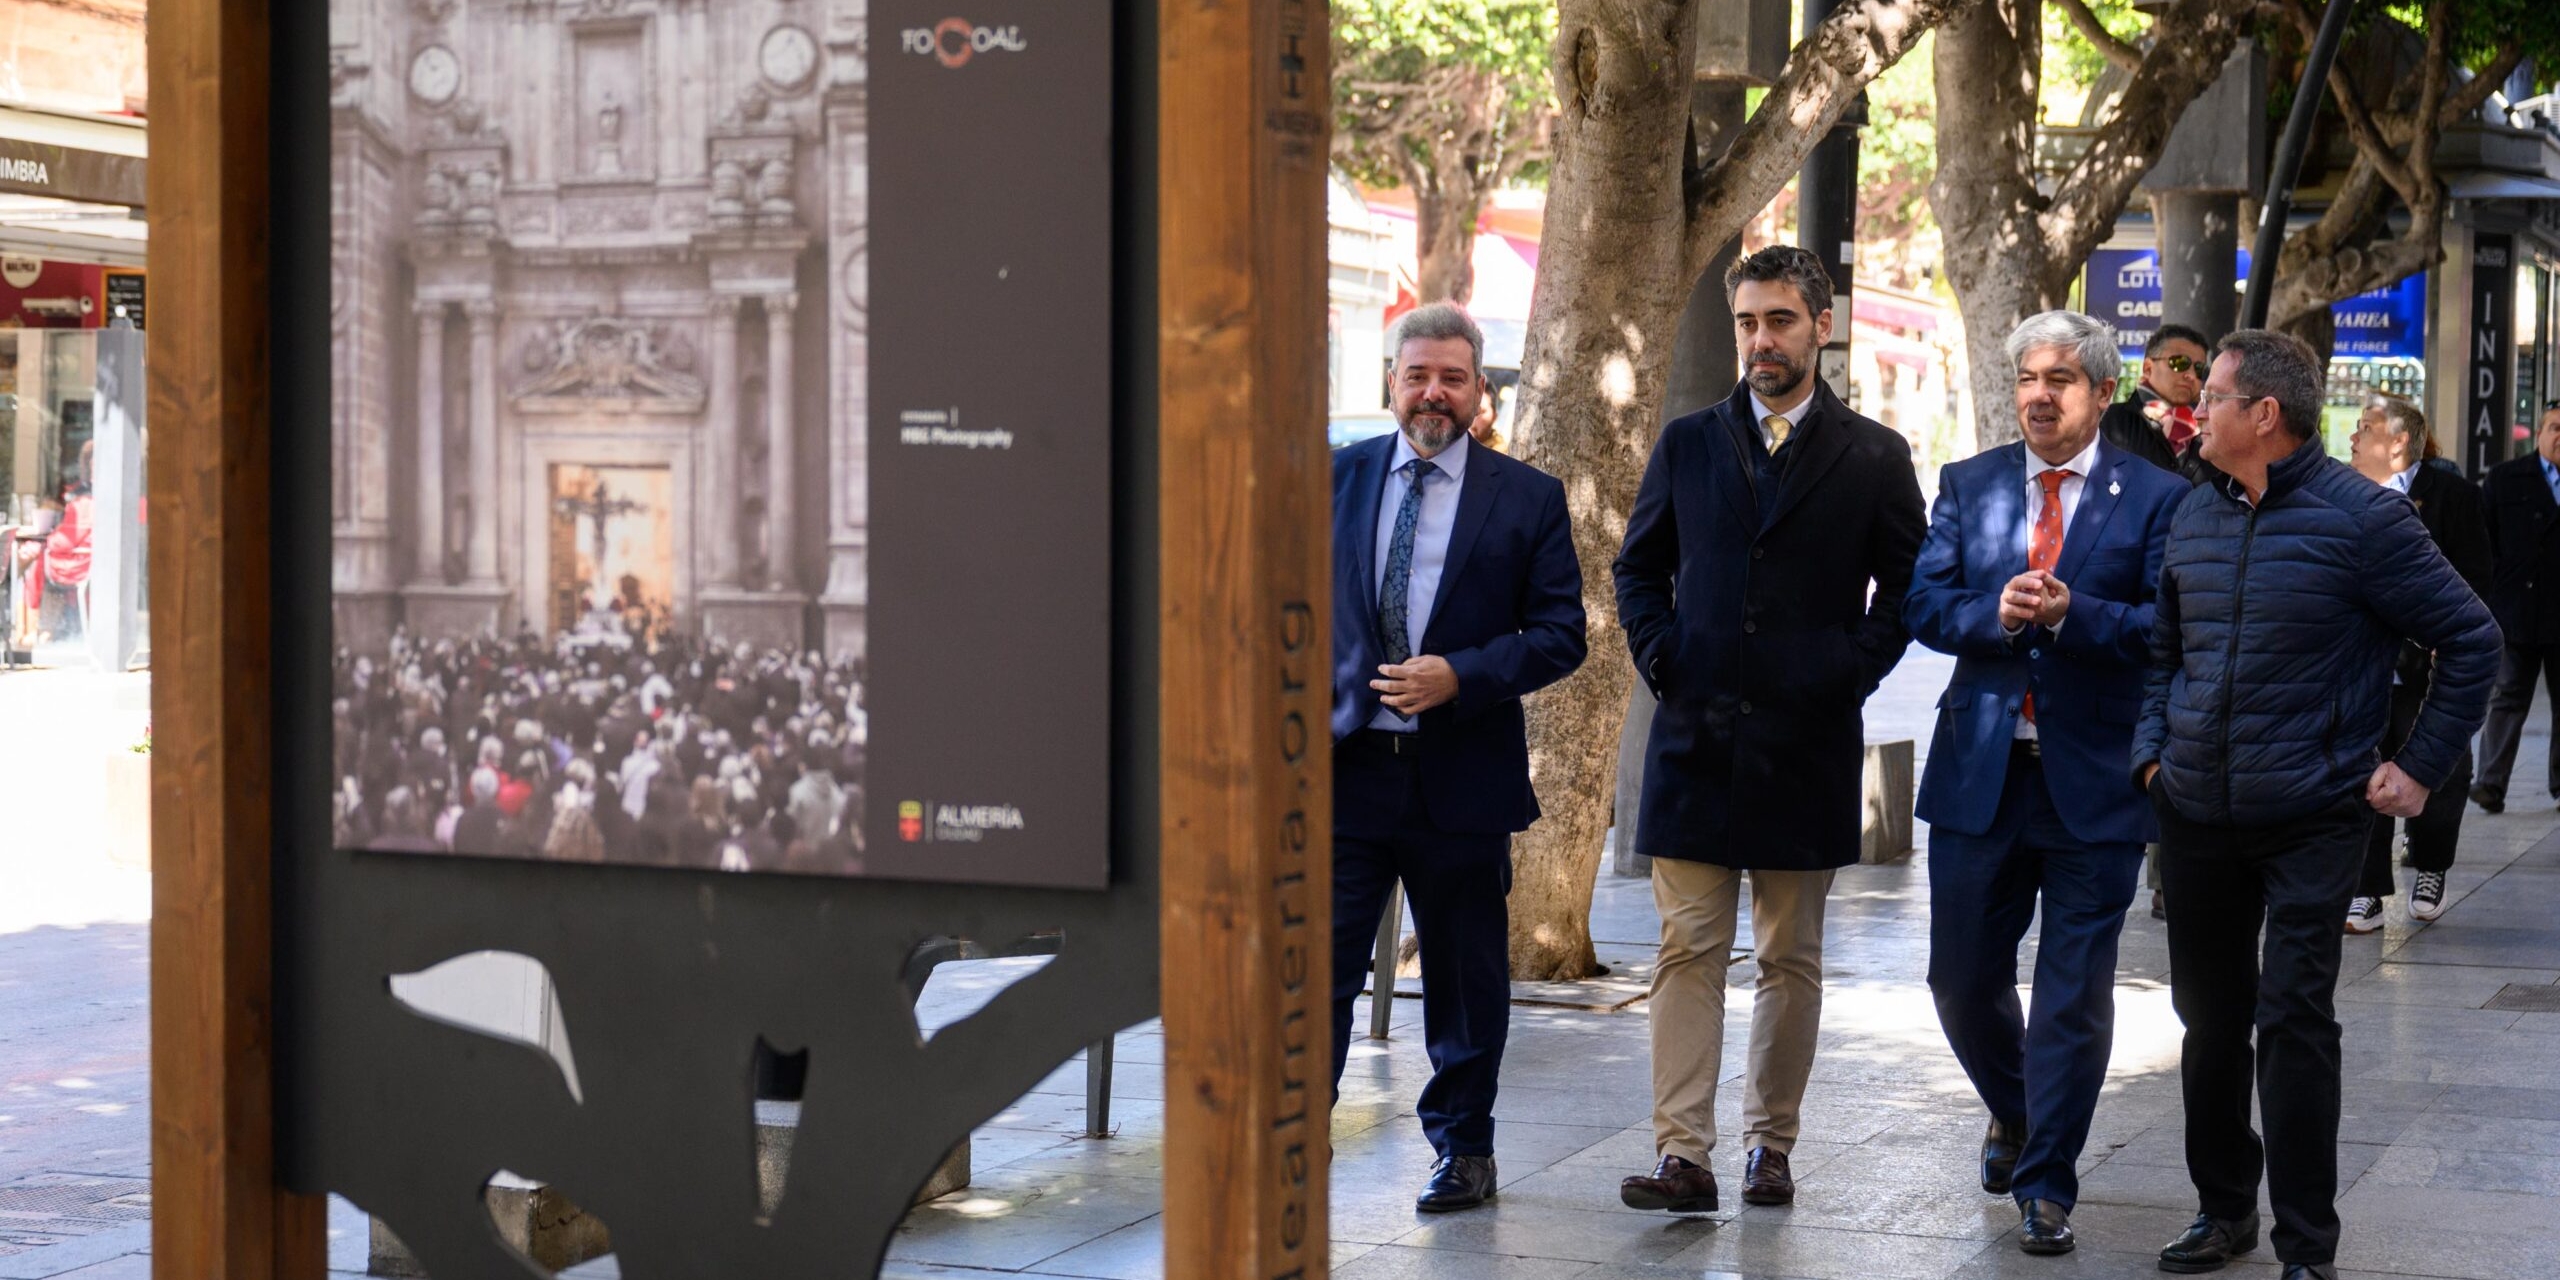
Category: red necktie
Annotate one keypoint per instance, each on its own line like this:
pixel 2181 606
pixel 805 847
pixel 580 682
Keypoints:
pixel 2044 541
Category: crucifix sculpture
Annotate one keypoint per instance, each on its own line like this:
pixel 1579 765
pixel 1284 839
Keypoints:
pixel 599 508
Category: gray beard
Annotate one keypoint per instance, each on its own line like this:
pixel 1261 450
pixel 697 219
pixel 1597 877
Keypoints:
pixel 1429 436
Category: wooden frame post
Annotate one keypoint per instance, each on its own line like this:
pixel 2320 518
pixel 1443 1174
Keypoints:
pixel 218 1212
pixel 1245 498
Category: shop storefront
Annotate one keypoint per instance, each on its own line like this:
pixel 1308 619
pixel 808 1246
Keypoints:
pixel 2381 342
pixel 72 290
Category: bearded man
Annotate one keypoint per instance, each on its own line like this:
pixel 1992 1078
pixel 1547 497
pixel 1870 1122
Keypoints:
pixel 1767 518
pixel 1455 593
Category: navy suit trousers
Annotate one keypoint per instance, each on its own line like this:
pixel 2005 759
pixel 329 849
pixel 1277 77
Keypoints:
pixel 1458 886
pixel 2041 1067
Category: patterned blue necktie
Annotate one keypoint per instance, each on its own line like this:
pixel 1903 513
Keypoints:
pixel 1393 630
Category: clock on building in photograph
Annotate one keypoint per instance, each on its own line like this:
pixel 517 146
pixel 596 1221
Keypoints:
pixel 788 57
pixel 435 75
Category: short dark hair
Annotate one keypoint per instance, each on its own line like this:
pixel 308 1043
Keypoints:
pixel 2279 367
pixel 2169 333
pixel 1798 267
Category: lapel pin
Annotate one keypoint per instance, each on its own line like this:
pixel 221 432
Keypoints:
pixel 2114 487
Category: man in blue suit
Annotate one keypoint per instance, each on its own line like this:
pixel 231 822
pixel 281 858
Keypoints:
pixel 1455 593
pixel 2039 576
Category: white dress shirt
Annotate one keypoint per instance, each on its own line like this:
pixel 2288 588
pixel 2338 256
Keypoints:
pixel 1760 414
pixel 2072 486
pixel 1438 519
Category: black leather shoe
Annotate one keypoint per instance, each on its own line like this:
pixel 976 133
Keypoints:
pixel 1457 1182
pixel 1765 1179
pixel 2489 801
pixel 2311 1271
pixel 2000 1148
pixel 2210 1244
pixel 2045 1228
pixel 1675 1185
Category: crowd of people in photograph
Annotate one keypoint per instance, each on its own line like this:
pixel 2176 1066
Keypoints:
pixel 2180 628
pixel 668 752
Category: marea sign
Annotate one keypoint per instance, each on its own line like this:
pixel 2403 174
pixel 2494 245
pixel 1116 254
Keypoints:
pixel 2386 324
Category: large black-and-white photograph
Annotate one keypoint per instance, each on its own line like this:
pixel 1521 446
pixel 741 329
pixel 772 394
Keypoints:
pixel 599 431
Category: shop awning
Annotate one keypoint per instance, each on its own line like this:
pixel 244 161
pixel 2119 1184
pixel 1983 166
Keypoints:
pixel 89 159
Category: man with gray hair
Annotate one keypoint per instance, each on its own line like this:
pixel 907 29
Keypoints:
pixel 2038 576
pixel 2288 589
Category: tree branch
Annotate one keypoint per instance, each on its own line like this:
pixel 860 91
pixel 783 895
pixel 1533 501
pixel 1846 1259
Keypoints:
pixel 2188 46
pixel 2372 147
pixel 2469 98
pixel 2114 48
pixel 2434 78
pixel 1836 61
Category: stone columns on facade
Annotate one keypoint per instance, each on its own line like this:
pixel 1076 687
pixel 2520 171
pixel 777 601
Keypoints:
pixel 430 546
pixel 720 465
pixel 483 314
pixel 781 460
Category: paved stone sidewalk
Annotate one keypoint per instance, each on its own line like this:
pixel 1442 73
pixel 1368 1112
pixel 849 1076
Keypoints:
pixel 2450 1158
pixel 2450 1151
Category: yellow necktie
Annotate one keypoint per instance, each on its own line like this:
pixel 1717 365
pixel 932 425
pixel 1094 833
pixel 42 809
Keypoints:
pixel 1778 428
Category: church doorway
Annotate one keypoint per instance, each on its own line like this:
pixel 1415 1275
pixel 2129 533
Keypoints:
pixel 612 551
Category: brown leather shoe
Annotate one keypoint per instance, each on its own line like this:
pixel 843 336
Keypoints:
pixel 1765 1179
pixel 1675 1185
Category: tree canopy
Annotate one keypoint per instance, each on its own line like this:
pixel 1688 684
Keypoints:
pixel 1450 98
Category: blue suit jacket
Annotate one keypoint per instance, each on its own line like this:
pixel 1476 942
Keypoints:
pixel 2087 677
pixel 1508 617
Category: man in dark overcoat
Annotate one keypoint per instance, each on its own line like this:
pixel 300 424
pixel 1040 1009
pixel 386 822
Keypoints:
pixel 1744 588
pixel 2522 496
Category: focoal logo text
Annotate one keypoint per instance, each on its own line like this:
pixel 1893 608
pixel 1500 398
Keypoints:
pixel 953 41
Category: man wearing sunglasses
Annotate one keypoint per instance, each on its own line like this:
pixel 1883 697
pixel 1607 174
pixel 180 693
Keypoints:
pixel 2157 423
pixel 2523 500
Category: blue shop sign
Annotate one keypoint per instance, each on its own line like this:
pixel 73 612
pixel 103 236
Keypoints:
pixel 2123 289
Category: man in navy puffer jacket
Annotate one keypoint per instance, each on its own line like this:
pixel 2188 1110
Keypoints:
pixel 2286 591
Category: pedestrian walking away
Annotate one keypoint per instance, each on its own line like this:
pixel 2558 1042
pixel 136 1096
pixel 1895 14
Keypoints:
pixel 1769 517
pixel 2038 577
pixel 2287 591
pixel 1455 593
pixel 2523 501
pixel 2392 449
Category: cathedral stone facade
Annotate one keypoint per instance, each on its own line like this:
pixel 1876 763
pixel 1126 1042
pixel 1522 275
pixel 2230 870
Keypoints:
pixel 598 317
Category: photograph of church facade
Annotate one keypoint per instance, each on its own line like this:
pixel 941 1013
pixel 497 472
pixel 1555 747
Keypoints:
pixel 598 428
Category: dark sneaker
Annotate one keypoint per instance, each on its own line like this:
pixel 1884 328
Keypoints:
pixel 2364 915
pixel 2426 902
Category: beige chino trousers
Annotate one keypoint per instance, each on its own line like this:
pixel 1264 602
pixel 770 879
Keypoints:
pixel 1699 903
